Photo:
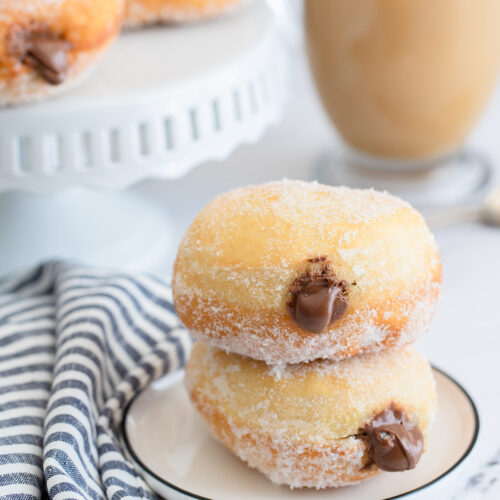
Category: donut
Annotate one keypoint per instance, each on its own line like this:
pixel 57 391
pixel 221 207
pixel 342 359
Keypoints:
pixel 143 12
pixel 46 46
pixel 319 424
pixel 290 271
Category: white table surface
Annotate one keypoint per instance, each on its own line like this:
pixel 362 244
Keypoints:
pixel 465 337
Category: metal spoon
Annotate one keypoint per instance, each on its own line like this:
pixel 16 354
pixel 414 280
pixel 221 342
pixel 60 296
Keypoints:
pixel 488 212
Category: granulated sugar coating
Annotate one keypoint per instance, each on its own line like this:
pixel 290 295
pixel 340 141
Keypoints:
pixel 299 424
pixel 140 12
pixel 238 261
pixel 10 8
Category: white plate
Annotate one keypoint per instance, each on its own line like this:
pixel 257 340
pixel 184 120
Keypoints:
pixel 180 460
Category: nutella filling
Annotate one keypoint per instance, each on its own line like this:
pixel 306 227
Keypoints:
pixel 36 47
pixel 395 443
pixel 318 299
pixel 49 58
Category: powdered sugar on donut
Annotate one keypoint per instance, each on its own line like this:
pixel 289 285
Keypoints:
pixel 11 9
pixel 298 466
pixel 244 251
pixel 298 424
pixel 310 402
pixel 139 13
pixel 27 7
pixel 275 342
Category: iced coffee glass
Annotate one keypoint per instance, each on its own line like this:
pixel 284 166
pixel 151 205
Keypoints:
pixel 404 82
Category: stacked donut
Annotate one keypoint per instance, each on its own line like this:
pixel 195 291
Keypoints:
pixel 47 46
pixel 303 299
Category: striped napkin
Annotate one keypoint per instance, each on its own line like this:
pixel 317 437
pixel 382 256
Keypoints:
pixel 76 344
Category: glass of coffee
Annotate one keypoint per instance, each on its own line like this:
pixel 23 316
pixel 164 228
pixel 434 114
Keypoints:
pixel 403 82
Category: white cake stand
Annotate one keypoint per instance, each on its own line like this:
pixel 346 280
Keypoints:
pixel 163 101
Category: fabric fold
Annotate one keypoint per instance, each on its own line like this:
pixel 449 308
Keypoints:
pixel 76 345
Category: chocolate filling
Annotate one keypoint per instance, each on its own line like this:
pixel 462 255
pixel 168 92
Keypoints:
pixel 49 58
pixel 395 443
pixel 319 298
pixel 46 53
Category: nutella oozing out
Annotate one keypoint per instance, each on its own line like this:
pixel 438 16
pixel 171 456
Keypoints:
pixel 319 298
pixel 46 53
pixel 49 58
pixel 395 443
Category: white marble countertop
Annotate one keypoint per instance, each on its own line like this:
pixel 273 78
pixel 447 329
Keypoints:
pixel 465 337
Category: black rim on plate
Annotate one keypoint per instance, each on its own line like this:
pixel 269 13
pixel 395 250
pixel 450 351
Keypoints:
pixel 136 459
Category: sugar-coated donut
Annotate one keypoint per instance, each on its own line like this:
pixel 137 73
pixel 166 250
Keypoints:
pixel 46 46
pixel 142 12
pixel 319 424
pixel 292 271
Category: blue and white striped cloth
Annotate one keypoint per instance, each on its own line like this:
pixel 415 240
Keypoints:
pixel 76 344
